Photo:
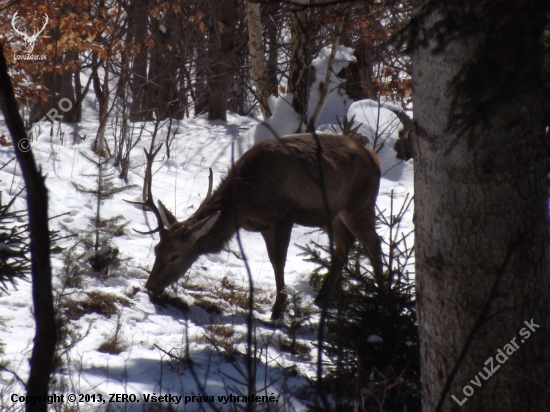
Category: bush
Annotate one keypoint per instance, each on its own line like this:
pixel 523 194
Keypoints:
pixel 372 337
pixel 14 246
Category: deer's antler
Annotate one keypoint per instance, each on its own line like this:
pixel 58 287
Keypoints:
pixel 149 202
pixel 208 194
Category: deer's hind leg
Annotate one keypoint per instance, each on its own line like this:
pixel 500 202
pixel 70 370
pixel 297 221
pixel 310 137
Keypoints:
pixel 362 225
pixel 343 241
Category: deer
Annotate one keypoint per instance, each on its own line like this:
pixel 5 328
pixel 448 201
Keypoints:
pixel 273 186
pixel 32 39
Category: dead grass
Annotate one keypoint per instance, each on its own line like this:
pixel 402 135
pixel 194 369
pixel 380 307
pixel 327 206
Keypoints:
pixel 297 348
pixel 114 343
pixel 224 331
pixel 225 346
pixel 239 296
pixel 208 305
pixel 235 296
pixel 102 303
pixel 195 287
pixel 112 346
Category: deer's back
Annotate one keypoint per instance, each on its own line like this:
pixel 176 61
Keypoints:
pixel 278 179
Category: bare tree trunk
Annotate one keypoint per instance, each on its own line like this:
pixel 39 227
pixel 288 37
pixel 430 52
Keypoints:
pixel 481 227
pixel 103 93
pixel 200 88
pixel 221 57
pixel 138 20
pixel 79 95
pixel 272 22
pixel 37 203
pixel 325 86
pixel 39 111
pixel 66 110
pixel 257 56
pixel 300 59
pixel 359 75
pixel 165 32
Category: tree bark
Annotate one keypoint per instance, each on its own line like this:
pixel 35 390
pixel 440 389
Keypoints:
pixel 273 23
pixel 37 203
pixel 67 90
pixel 359 74
pixel 139 109
pixel 166 33
pixel 221 57
pixel 102 92
pixel 300 59
pixel 200 85
pixel 325 86
pixel 481 224
pixel 257 56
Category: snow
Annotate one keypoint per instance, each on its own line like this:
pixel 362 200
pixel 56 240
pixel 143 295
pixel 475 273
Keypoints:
pixel 380 126
pixel 4 247
pixel 374 339
pixel 153 336
pixel 284 120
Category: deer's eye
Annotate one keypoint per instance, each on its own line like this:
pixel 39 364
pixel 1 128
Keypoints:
pixel 174 257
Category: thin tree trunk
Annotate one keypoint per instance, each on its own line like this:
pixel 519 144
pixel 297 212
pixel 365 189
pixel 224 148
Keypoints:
pixel 257 57
pixel 37 203
pixel 200 88
pixel 221 57
pixel 165 33
pixel 300 59
pixel 67 90
pixel 481 219
pixel 325 86
pixel 79 95
pixel 272 23
pixel 102 93
pixel 138 21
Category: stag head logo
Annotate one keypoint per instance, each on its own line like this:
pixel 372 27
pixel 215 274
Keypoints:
pixel 29 40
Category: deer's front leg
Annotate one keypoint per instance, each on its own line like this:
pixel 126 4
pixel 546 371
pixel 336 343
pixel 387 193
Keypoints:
pixel 277 238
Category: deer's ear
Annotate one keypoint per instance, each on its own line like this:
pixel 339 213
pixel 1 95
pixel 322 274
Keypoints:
pixel 167 218
pixel 202 227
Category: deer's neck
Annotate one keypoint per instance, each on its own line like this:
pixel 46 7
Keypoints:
pixel 222 199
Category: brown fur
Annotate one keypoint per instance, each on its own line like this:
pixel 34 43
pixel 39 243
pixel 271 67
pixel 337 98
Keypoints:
pixel 272 187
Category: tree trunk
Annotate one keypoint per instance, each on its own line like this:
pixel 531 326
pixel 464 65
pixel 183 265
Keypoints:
pixel 38 112
pixel 139 19
pixel 102 92
pixel 221 57
pixel 359 74
pixel 272 23
pixel 325 86
pixel 69 111
pixel 257 56
pixel 165 32
pixel 200 88
pixel 481 219
pixel 300 59
pixel 41 362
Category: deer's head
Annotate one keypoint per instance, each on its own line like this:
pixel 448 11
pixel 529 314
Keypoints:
pixel 177 250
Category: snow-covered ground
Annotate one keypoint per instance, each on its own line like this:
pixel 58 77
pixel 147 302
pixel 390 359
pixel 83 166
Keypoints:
pixel 213 332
